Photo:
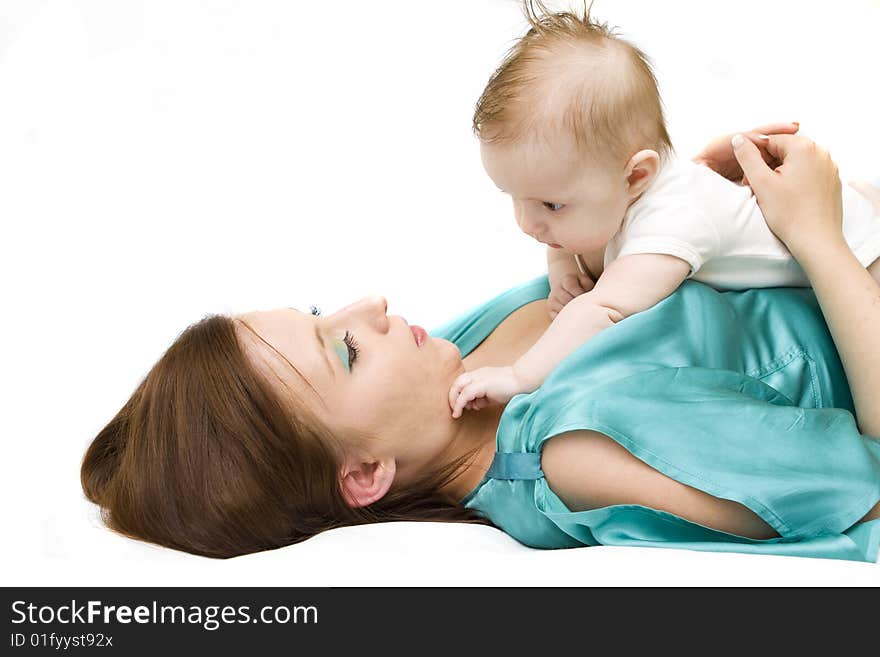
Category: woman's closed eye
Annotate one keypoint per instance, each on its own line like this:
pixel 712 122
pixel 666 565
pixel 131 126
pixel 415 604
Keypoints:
pixel 350 354
pixel 353 349
pixel 553 207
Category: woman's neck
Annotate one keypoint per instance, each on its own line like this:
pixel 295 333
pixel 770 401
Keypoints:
pixel 476 430
pixel 476 433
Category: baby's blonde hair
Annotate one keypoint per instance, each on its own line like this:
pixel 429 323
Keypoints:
pixel 572 72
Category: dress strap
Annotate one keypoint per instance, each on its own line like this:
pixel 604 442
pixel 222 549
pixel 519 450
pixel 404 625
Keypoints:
pixel 515 465
pixel 582 267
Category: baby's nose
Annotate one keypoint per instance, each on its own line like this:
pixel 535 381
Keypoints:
pixel 529 227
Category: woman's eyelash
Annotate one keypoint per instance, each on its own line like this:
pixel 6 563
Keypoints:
pixel 553 207
pixel 353 349
pixel 348 339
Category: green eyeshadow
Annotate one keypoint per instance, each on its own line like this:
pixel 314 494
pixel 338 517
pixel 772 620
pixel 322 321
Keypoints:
pixel 341 350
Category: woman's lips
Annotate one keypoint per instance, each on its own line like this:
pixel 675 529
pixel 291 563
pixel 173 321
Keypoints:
pixel 555 246
pixel 419 334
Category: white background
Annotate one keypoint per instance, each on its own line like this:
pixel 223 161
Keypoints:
pixel 162 160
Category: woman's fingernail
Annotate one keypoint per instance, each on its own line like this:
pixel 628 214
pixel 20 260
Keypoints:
pixel 764 137
pixel 796 123
pixel 737 141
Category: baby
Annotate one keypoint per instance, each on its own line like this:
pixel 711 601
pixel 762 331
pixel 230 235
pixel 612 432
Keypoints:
pixel 571 126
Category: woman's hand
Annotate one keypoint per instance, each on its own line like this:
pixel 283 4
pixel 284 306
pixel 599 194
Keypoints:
pixel 718 153
pixel 801 202
pixel 801 198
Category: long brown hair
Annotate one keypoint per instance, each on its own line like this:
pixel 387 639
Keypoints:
pixel 207 458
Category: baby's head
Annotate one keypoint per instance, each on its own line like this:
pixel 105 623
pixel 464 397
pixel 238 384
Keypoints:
pixel 571 126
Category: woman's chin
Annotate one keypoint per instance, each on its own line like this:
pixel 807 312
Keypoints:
pixel 457 367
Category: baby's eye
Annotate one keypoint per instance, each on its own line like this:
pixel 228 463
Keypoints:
pixel 553 207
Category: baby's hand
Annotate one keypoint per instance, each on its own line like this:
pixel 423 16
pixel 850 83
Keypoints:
pixel 564 289
pixel 483 387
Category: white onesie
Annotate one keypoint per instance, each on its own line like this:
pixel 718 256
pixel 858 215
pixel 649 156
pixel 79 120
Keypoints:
pixel 716 226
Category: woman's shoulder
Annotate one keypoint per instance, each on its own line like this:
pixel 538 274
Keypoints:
pixel 576 463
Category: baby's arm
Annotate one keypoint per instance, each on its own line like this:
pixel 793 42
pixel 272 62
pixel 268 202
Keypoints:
pixel 628 285
pixel 565 278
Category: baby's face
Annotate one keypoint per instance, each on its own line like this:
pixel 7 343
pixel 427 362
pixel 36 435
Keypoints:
pixel 559 198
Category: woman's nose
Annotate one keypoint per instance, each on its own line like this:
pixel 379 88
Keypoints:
pixel 379 312
pixel 378 302
pixel 373 309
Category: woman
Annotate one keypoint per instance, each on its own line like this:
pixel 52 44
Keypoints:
pixel 710 422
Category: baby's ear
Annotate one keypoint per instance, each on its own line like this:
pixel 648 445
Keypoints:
pixel 641 170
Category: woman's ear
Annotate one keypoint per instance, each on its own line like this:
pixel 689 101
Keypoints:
pixel 641 170
pixel 364 483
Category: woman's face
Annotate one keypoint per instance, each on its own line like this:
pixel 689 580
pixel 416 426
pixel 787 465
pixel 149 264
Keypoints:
pixel 364 373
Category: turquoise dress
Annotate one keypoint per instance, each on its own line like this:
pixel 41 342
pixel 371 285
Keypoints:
pixel 738 394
